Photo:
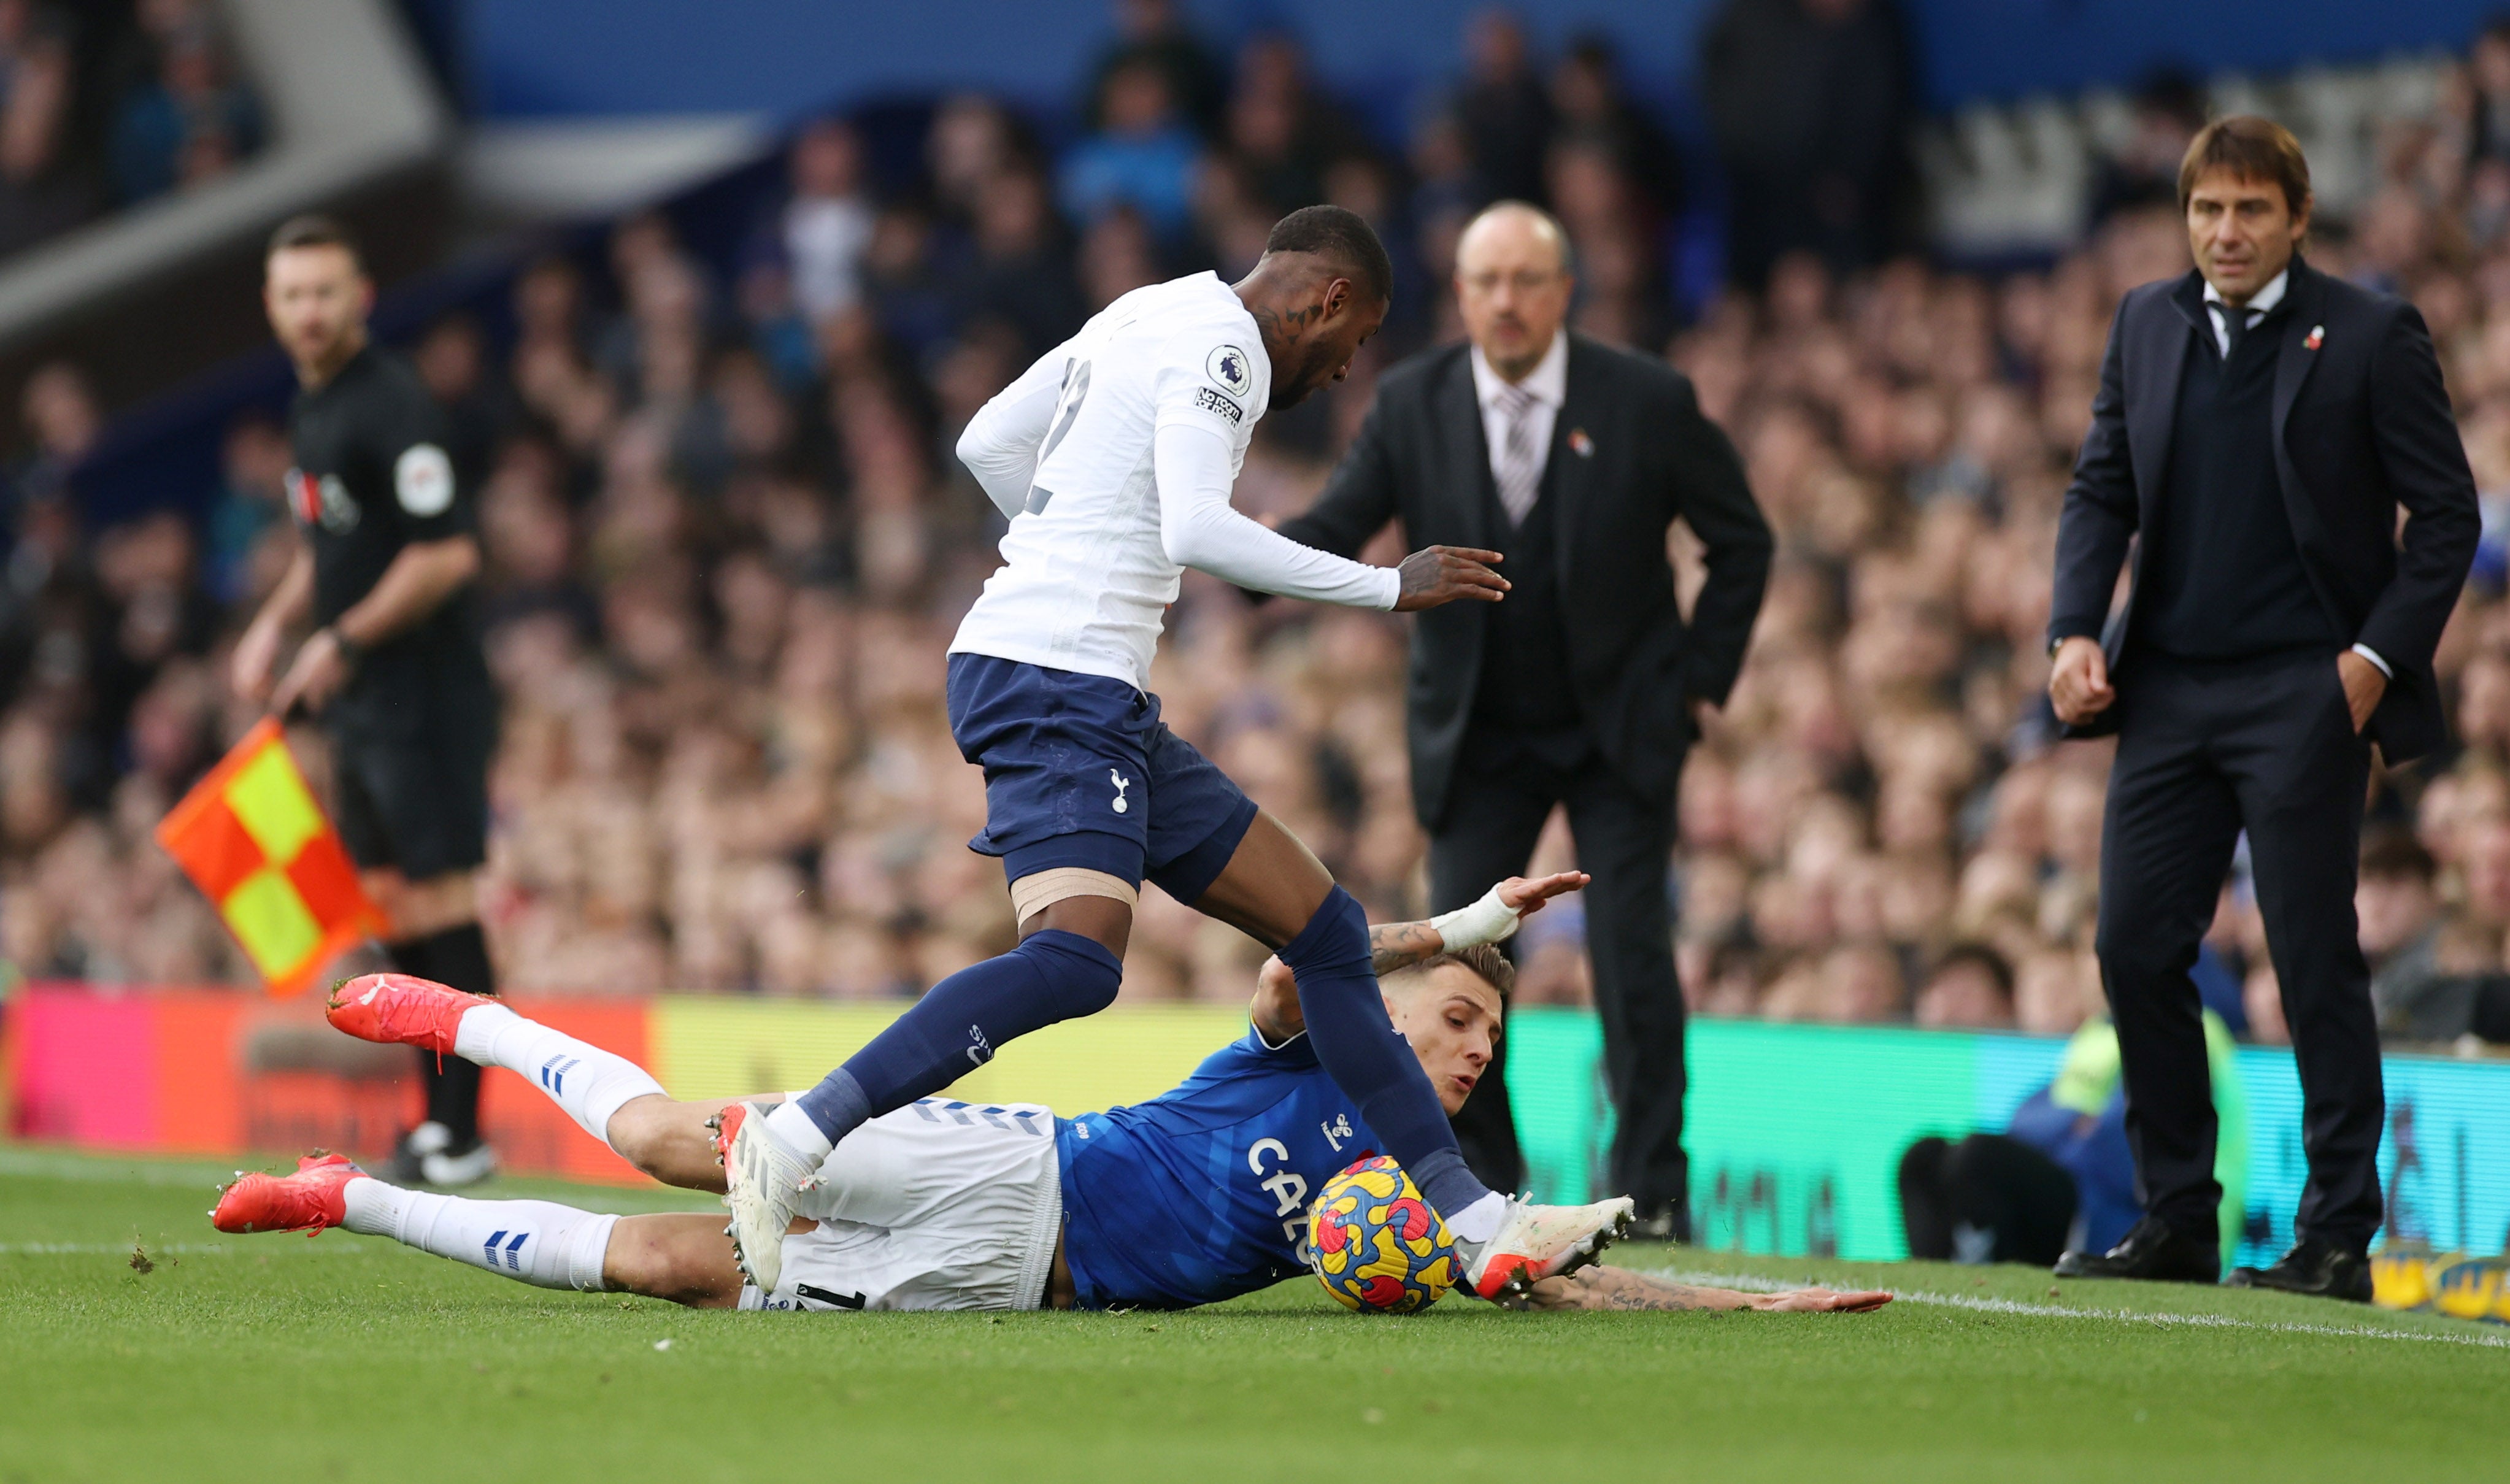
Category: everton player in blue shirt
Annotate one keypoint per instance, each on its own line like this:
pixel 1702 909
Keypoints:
pixel 1198 1195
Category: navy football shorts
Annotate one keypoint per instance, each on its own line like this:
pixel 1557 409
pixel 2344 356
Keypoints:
pixel 1080 772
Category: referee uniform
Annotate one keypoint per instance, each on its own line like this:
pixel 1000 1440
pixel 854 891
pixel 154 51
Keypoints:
pixel 413 729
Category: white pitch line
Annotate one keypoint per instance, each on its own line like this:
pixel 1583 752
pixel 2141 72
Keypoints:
pixel 2115 1315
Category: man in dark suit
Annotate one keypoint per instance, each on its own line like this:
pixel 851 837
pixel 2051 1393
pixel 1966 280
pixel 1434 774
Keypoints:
pixel 2258 425
pixel 1571 459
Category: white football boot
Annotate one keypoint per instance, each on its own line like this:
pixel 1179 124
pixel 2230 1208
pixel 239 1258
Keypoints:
pixel 1534 1242
pixel 760 1179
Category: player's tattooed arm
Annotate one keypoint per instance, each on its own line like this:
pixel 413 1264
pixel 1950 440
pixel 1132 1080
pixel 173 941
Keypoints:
pixel 1400 945
pixel 1620 1289
pixel 1395 946
pixel 1391 947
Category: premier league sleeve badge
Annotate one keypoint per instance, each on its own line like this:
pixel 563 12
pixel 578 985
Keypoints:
pixel 1229 367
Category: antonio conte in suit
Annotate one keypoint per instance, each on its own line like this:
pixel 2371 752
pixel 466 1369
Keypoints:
pixel 2258 425
pixel 1571 459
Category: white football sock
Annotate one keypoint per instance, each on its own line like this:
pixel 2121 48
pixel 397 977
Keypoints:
pixel 587 1081
pixel 539 1242
pixel 1479 1221
pixel 800 1136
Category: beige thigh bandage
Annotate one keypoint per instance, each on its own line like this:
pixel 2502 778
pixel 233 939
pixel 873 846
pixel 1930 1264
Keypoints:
pixel 1035 892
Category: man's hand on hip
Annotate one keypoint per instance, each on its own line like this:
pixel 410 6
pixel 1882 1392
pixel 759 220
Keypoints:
pixel 2079 685
pixel 1435 575
pixel 2364 685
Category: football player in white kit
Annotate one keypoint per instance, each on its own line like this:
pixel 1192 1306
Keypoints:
pixel 1190 1198
pixel 1112 458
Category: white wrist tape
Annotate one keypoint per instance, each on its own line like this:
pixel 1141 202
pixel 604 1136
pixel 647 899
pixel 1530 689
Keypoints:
pixel 1487 921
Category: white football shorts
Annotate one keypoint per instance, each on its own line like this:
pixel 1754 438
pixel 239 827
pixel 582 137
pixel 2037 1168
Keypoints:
pixel 940 1204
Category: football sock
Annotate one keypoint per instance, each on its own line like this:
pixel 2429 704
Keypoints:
pixel 539 1242
pixel 457 956
pixel 587 1081
pixel 1370 1061
pixel 1479 1221
pixel 1051 976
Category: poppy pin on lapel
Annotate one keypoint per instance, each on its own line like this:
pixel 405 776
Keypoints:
pixel 2317 337
pixel 1581 444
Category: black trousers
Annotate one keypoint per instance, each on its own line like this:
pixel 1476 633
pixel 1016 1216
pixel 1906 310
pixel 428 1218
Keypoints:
pixel 1988 1199
pixel 1502 795
pixel 2205 750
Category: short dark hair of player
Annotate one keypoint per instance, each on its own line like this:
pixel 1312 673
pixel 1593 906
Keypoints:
pixel 2251 148
pixel 1343 237
pixel 314 230
pixel 1483 960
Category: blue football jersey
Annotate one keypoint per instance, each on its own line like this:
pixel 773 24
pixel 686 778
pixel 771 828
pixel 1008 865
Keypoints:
pixel 1201 1194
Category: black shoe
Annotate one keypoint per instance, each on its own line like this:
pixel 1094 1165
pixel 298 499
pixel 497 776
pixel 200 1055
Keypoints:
pixel 464 1161
pixel 2152 1251
pixel 2312 1267
pixel 411 1152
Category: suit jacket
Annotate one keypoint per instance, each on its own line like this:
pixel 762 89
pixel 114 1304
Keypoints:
pixel 2361 425
pixel 1630 450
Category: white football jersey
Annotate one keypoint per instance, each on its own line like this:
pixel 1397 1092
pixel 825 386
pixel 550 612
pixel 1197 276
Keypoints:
pixel 1085 580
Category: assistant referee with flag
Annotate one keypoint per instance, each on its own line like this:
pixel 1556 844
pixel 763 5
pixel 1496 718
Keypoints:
pixel 393 665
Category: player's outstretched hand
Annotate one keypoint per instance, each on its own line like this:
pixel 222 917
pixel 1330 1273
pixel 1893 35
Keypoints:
pixel 1821 1301
pixel 1435 575
pixel 1526 894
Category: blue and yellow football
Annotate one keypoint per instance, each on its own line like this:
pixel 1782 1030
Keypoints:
pixel 1375 1243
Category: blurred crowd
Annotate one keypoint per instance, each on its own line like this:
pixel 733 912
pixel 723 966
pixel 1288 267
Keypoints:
pixel 108 102
pixel 727 546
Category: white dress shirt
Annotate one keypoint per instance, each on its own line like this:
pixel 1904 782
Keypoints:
pixel 1113 457
pixel 1547 382
pixel 2260 305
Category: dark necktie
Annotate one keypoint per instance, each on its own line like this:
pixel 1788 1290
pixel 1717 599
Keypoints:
pixel 2235 328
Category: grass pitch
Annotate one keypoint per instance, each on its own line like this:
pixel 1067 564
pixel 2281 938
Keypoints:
pixel 267 1358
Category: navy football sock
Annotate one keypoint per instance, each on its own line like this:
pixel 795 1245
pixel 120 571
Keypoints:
pixel 1051 976
pixel 1372 1064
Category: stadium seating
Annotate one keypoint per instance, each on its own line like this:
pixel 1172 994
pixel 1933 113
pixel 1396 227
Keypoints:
pixel 727 546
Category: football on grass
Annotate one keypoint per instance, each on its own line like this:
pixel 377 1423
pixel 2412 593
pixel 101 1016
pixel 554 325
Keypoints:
pixel 1375 1243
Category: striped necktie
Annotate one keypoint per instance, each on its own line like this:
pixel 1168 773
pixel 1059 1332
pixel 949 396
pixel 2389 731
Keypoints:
pixel 1519 465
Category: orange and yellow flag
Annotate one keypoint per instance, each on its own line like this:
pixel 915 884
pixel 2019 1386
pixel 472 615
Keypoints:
pixel 252 839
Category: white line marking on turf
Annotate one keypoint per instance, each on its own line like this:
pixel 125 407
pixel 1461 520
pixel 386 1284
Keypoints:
pixel 2115 1315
